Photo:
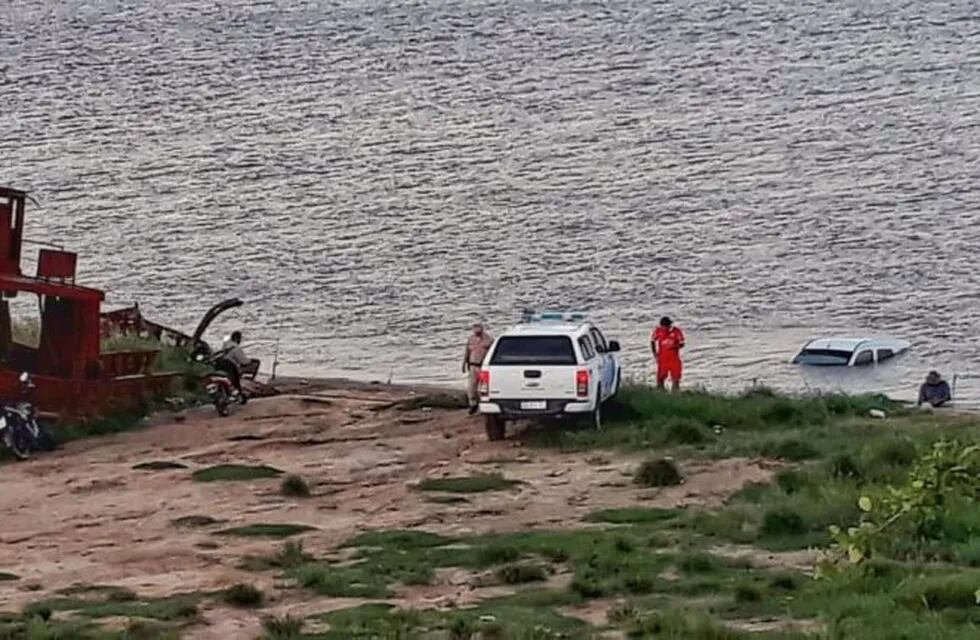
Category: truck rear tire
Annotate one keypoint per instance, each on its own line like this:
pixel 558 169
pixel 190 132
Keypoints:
pixel 595 418
pixel 496 428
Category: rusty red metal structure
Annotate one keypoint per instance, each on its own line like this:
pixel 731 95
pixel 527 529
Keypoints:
pixel 73 377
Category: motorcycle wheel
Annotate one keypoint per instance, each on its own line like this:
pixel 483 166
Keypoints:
pixel 45 438
pixel 18 442
pixel 221 403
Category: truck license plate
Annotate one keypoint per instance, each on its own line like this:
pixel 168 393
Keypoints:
pixel 534 405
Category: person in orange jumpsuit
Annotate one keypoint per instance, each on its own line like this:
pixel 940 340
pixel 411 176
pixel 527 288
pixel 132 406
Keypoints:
pixel 666 343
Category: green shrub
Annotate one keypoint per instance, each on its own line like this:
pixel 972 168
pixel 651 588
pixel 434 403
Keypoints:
pixel 698 563
pixel 587 587
pixel 895 452
pixel 791 481
pixel 791 449
pixel 746 592
pixel 785 582
pixel 659 472
pixel 681 625
pixel 282 628
pixel 521 573
pixel 684 431
pixel 294 486
pixel 844 467
pixel 495 554
pixel 632 515
pixel 782 521
pixel 289 556
pixel 640 584
pixel 461 628
pixel 957 591
pixel 243 595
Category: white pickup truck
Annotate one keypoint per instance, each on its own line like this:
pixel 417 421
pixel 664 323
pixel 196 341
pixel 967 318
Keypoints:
pixel 551 365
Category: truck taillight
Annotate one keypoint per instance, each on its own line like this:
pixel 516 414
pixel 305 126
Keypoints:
pixel 483 382
pixel 582 383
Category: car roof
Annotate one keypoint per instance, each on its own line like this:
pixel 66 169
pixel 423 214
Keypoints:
pixel 547 329
pixel 851 344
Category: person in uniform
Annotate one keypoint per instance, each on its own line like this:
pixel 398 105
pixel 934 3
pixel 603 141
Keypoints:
pixel 477 346
pixel 666 342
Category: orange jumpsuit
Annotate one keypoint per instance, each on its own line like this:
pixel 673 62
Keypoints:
pixel 669 341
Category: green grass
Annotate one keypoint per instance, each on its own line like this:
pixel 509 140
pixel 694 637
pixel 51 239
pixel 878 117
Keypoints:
pixel 522 573
pixel 263 530
pixel 632 515
pixel 495 619
pixel 235 472
pixel 195 522
pixel 398 539
pixel 643 418
pixel 468 484
pixel 176 608
pixel 282 628
pixel 158 465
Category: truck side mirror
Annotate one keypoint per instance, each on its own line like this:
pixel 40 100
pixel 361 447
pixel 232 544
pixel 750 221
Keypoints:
pixel 614 346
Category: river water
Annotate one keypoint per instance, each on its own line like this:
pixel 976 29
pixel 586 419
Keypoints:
pixel 372 176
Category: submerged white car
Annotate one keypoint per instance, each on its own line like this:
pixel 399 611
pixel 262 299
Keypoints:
pixel 849 352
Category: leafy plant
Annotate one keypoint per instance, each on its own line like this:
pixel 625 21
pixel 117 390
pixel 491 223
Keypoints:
pixel 917 509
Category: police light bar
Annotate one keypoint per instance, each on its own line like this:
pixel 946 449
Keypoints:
pixel 552 316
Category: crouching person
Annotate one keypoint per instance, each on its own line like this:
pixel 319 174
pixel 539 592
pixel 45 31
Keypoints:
pixel 934 391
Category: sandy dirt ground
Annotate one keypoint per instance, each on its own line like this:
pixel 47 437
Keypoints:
pixel 84 515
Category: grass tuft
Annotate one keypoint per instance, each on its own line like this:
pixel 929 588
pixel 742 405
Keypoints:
pixel 632 515
pixel 282 628
pixel 403 539
pixel 267 530
pixel 195 521
pixel 243 595
pixel 294 486
pixel 522 573
pixel 159 465
pixel 698 563
pixel 659 472
pixel 746 593
pixel 685 431
pixel 783 521
pixel 468 484
pixel 233 472
pixel 790 449
pixel 844 467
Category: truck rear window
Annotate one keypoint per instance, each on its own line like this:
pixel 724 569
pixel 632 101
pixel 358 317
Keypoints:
pixel 529 350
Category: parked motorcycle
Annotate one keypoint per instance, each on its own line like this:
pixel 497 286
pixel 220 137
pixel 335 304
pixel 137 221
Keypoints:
pixel 19 427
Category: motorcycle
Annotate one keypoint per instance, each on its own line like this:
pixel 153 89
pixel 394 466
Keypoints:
pixel 217 384
pixel 19 427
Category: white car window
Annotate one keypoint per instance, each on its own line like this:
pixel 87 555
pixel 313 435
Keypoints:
pixel 586 345
pixel 864 357
pixel 600 341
